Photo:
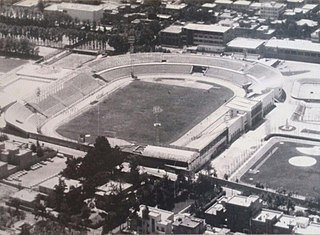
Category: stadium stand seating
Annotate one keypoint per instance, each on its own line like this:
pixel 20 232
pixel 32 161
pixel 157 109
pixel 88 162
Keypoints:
pixel 116 73
pixel 227 75
pixel 162 68
pixel 84 82
pixel 68 95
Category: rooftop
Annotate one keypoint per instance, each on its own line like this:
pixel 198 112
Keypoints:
pixel 26 195
pixel 272 5
pixel 243 200
pixel 246 43
pixel 176 6
pixel 207 28
pixel 112 186
pixel 81 7
pixel 27 3
pixel 266 214
pixel 300 45
pixel 164 214
pixel 241 103
pixel 242 2
pixel 187 221
pixel 51 183
pixel 209 5
pixel 169 153
pixel 223 2
pixel 173 29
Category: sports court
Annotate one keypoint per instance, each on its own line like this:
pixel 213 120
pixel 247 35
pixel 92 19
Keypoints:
pixel 292 165
pixel 129 112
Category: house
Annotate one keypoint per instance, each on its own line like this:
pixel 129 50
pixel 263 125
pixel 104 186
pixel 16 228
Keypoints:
pixel 151 220
pixel 186 224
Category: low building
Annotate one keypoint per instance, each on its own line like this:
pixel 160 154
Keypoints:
pixel 209 35
pixel 246 45
pixel 315 36
pixel 276 222
pixel 171 36
pixel 251 108
pixel 152 220
pixel 48 186
pixel 82 12
pixel 26 197
pixel 112 188
pixel 298 50
pixel 224 4
pixel 239 211
pixel 272 10
pixel 241 5
pixel 186 224
pixel 216 214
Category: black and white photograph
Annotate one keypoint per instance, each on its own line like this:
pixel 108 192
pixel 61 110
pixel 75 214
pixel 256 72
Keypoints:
pixel 159 117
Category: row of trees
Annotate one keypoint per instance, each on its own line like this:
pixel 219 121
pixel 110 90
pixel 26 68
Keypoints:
pixel 18 46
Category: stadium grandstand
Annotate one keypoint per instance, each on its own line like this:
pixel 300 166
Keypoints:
pixel 104 76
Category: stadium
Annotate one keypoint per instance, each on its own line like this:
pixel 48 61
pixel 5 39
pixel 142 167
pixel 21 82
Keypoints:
pixel 172 110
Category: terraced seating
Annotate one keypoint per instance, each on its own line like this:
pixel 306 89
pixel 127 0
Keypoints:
pixel 83 82
pixel 68 95
pixel 162 68
pixel 116 73
pixel 231 76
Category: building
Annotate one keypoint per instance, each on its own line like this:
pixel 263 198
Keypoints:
pixel 246 45
pixel 216 214
pixel 299 50
pixel 212 35
pixel 252 108
pixel 224 4
pixel 186 224
pixel 315 36
pixel 82 12
pixel 112 188
pixel 239 211
pixel 152 220
pixel 241 5
pixel 48 186
pixel 272 10
pixel 276 222
pixel 171 36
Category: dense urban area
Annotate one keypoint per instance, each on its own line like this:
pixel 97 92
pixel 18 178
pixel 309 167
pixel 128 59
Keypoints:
pixel 159 117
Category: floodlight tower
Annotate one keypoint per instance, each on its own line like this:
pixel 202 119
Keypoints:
pixel 157 125
pixel 131 40
pixel 38 94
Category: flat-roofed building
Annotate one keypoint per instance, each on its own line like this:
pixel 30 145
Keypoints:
pixel 272 10
pixel 48 186
pixel 241 5
pixel 224 4
pixel 186 224
pixel 246 45
pixel 209 6
pixel 112 188
pixel 252 109
pixel 239 211
pixel 203 34
pixel 82 12
pixel 299 50
pixel 152 220
pixel 171 36
pixel 315 36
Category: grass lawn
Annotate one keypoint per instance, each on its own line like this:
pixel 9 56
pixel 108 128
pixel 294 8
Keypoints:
pixel 7 64
pixel 276 172
pixel 129 112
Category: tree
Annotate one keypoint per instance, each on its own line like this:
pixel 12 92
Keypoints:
pixel 119 43
pixel 40 5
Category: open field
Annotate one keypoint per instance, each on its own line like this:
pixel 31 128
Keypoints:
pixel 7 64
pixel 288 165
pixel 128 113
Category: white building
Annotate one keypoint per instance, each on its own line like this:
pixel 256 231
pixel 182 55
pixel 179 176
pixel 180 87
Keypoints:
pixel 82 12
pixel 272 10
pixel 299 50
pixel 154 220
